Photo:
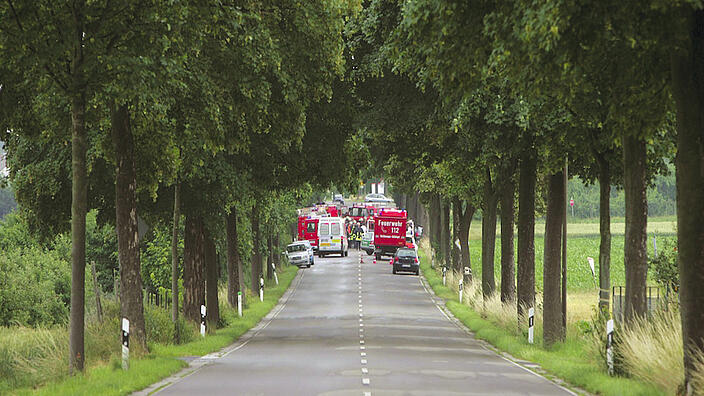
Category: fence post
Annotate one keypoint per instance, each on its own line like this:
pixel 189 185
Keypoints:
pixel 125 343
pixel 96 289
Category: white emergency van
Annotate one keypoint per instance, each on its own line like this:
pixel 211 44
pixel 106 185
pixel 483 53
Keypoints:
pixel 332 238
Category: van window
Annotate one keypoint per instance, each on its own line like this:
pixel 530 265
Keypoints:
pixel 324 229
pixel 335 228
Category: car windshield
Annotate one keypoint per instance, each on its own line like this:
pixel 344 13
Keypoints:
pixel 296 248
pixel 406 253
pixel 356 212
pixel 310 227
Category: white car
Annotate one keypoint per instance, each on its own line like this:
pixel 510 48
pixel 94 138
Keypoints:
pixel 300 254
pixel 377 198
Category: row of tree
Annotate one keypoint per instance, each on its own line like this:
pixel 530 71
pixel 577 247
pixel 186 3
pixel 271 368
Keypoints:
pixel 157 110
pixel 465 102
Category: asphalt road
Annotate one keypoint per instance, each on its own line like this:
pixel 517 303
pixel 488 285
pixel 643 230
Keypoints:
pixel 346 328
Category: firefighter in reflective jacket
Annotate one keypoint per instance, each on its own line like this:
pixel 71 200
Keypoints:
pixel 357 235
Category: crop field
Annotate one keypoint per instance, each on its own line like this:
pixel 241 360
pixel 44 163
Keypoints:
pixel 582 242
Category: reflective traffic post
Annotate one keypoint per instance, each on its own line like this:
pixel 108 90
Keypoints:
pixel 239 303
pixel 461 287
pixel 609 346
pixel 261 289
pixel 444 273
pixel 202 320
pixel 531 324
pixel 125 343
pixel 276 277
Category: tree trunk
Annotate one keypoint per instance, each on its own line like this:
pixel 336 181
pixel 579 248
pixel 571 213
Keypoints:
pixel 635 253
pixel 605 232
pixel 276 255
pixel 688 90
pixel 256 249
pixel 234 263
pixel 79 204
pixel 193 263
pixel 488 236
pixel 211 268
pixel 456 215
pixel 435 226
pixel 174 259
pixel 552 269
pixel 463 235
pixel 126 224
pixel 270 256
pixel 525 285
pixel 445 231
pixel 508 272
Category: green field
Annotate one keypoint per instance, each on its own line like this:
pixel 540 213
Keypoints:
pixel 582 242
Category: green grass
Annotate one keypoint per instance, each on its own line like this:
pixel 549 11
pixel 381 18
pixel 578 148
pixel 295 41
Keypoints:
pixel 583 241
pixel 571 361
pixel 110 379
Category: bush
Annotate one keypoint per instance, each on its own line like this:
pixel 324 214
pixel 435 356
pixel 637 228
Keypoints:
pixel 34 287
pixel 664 266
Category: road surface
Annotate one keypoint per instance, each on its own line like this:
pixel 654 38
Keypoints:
pixel 346 328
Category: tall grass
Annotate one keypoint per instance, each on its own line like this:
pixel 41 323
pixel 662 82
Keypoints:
pixel 649 351
pixel 652 350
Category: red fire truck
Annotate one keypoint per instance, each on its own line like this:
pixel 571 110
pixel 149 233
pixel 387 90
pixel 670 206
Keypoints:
pixel 389 231
pixel 308 230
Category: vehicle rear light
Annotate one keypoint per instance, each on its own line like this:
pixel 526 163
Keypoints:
pixel 415 259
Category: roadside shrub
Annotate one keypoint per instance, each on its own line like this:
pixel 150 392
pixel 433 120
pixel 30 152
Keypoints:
pixel 34 287
pixel 158 324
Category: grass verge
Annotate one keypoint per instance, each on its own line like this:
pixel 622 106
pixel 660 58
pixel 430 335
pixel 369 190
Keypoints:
pixel 571 361
pixel 110 379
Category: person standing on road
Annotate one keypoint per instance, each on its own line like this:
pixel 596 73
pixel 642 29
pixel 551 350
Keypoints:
pixel 358 236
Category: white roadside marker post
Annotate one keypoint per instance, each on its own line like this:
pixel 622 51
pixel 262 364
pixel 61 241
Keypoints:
pixel 590 260
pixel 461 287
pixel 609 346
pixel 444 271
pixel 125 343
pixel 202 320
pixel 261 289
pixel 276 277
pixel 531 324
pixel 239 303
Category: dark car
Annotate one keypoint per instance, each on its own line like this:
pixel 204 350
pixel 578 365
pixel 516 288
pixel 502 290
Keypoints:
pixel 406 260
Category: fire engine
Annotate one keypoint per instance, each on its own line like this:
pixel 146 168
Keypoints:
pixel 389 231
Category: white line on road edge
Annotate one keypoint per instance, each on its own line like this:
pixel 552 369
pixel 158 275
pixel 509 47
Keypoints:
pixel 365 370
pixel 365 381
pixel 364 361
pixel 198 364
pixel 362 347
pixel 484 344
pixel 367 394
